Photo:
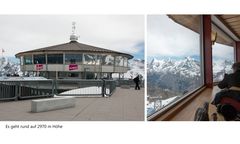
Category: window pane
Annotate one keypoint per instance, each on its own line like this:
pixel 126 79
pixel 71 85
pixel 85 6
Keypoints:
pixel 107 60
pixel 223 58
pixel 125 62
pixel 119 61
pixel 223 54
pixel 174 67
pixel 27 60
pixel 98 60
pixel 55 58
pixel 89 59
pixel 73 58
pixel 39 59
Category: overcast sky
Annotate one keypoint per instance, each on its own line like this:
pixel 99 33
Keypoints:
pixel 121 32
pixel 221 51
pixel 169 39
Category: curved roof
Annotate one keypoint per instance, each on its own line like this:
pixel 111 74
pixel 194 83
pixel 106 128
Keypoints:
pixel 73 46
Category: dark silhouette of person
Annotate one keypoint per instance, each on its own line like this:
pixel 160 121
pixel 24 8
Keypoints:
pixel 230 85
pixel 136 81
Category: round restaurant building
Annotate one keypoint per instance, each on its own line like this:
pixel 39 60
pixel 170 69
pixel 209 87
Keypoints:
pixel 73 60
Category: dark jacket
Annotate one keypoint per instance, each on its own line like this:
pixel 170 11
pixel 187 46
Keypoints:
pixel 136 79
pixel 230 80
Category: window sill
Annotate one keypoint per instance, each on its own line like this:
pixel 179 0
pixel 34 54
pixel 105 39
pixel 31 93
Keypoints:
pixel 172 109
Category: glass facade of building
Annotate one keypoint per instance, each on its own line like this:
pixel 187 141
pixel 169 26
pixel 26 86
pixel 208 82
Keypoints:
pixel 28 60
pixel 119 61
pixel 55 58
pixel 107 60
pixel 39 59
pixel 89 59
pixel 73 58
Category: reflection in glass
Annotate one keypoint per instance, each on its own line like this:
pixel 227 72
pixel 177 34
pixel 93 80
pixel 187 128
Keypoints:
pixel 55 58
pixel 107 60
pixel 119 61
pixel 39 59
pixel 89 59
pixel 98 59
pixel 73 58
pixel 27 60
pixel 125 62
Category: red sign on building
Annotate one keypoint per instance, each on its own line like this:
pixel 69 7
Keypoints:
pixel 73 67
pixel 39 67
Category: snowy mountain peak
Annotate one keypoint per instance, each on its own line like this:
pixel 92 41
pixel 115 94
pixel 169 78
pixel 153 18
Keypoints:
pixel 187 66
pixel 8 67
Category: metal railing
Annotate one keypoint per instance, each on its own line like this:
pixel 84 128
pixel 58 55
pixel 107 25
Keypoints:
pixel 22 89
pixel 69 87
pixel 39 88
pixel 128 83
pixel 109 87
pixel 8 90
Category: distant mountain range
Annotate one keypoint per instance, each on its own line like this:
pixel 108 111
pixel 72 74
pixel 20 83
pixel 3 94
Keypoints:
pixel 9 67
pixel 136 67
pixel 169 78
pixel 174 76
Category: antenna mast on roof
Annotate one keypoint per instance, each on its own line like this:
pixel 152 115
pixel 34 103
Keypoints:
pixel 73 36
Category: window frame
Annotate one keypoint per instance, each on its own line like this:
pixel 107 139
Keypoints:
pixel 50 55
pixel 171 105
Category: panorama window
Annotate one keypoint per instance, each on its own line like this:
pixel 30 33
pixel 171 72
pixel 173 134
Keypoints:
pixel 28 60
pixel 174 59
pixel 73 58
pixel 119 61
pixel 98 59
pixel 125 62
pixel 39 59
pixel 223 54
pixel 89 59
pixel 107 60
pixel 55 58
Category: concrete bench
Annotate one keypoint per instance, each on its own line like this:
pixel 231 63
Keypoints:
pixel 42 105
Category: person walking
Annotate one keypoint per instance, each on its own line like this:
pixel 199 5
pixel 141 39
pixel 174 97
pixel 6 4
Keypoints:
pixel 136 81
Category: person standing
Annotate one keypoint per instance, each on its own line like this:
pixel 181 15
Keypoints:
pixel 136 81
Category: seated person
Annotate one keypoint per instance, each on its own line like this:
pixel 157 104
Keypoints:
pixel 230 85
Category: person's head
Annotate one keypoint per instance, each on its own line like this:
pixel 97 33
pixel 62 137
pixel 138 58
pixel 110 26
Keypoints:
pixel 236 66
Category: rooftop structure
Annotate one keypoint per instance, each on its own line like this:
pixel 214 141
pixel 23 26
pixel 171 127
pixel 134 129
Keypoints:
pixel 74 59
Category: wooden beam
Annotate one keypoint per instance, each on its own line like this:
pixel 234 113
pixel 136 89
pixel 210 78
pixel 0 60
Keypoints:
pixel 228 26
pixel 207 51
pixel 237 51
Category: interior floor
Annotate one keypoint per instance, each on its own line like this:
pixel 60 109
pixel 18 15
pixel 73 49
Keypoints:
pixel 188 112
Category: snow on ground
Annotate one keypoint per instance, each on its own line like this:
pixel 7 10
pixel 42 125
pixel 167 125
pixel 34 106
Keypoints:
pixel 93 90
pixel 158 104
pixel 22 78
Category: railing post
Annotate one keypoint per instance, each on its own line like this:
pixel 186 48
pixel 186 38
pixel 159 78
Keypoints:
pixel 103 88
pixel 17 90
pixel 54 87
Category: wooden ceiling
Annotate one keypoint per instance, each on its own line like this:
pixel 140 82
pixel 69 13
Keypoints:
pixel 189 21
pixel 232 22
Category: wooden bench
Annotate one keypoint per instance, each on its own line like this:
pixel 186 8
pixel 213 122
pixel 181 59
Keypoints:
pixel 42 105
